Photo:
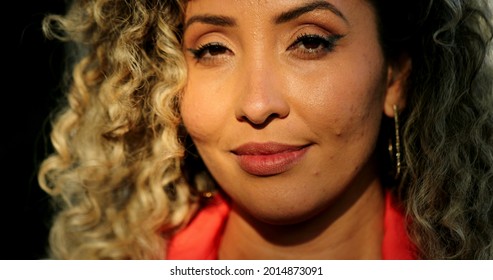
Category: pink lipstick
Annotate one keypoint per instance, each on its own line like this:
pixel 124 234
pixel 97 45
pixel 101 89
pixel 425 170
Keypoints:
pixel 267 159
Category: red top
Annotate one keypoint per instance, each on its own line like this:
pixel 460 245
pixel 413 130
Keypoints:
pixel 200 239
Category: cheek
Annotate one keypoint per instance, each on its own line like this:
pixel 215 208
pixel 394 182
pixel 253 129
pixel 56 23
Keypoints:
pixel 201 111
pixel 190 115
pixel 343 103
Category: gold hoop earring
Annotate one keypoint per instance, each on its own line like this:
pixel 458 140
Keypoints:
pixel 207 195
pixel 395 145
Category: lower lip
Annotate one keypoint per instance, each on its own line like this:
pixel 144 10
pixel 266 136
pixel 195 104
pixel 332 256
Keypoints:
pixel 272 164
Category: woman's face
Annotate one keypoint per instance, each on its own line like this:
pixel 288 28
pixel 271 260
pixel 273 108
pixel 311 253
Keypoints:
pixel 284 100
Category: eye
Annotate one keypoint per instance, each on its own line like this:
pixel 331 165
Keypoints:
pixel 210 52
pixel 312 46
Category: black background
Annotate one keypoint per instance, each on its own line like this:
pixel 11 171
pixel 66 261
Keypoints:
pixel 30 89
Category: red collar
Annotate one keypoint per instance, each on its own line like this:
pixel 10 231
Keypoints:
pixel 200 239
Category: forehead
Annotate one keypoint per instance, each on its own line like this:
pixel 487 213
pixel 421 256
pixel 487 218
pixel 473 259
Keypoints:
pixel 268 6
pixel 277 11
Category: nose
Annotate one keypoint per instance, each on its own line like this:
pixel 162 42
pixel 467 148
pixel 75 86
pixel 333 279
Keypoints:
pixel 261 96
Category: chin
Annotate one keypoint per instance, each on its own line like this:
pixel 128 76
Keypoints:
pixel 284 215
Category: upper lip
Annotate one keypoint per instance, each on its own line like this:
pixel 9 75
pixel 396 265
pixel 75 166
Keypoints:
pixel 267 148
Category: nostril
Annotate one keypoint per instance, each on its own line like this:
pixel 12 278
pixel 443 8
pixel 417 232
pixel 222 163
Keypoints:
pixel 260 101
pixel 260 123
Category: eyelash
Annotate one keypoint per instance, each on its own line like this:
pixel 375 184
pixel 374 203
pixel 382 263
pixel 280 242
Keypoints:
pixel 212 47
pixel 327 42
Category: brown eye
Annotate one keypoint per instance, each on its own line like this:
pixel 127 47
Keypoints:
pixel 313 45
pixel 209 50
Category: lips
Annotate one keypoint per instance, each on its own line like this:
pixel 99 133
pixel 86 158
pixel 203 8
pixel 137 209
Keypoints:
pixel 267 159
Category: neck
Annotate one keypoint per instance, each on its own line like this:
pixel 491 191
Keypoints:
pixel 350 228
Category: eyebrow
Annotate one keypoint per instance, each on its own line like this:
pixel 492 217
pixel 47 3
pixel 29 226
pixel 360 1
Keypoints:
pixel 281 18
pixel 211 19
pixel 298 11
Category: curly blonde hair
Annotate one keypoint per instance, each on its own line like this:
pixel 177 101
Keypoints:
pixel 117 167
pixel 119 170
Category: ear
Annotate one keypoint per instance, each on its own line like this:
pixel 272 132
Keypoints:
pixel 397 74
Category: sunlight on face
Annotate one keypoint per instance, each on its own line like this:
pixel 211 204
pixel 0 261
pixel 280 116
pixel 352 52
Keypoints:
pixel 284 100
